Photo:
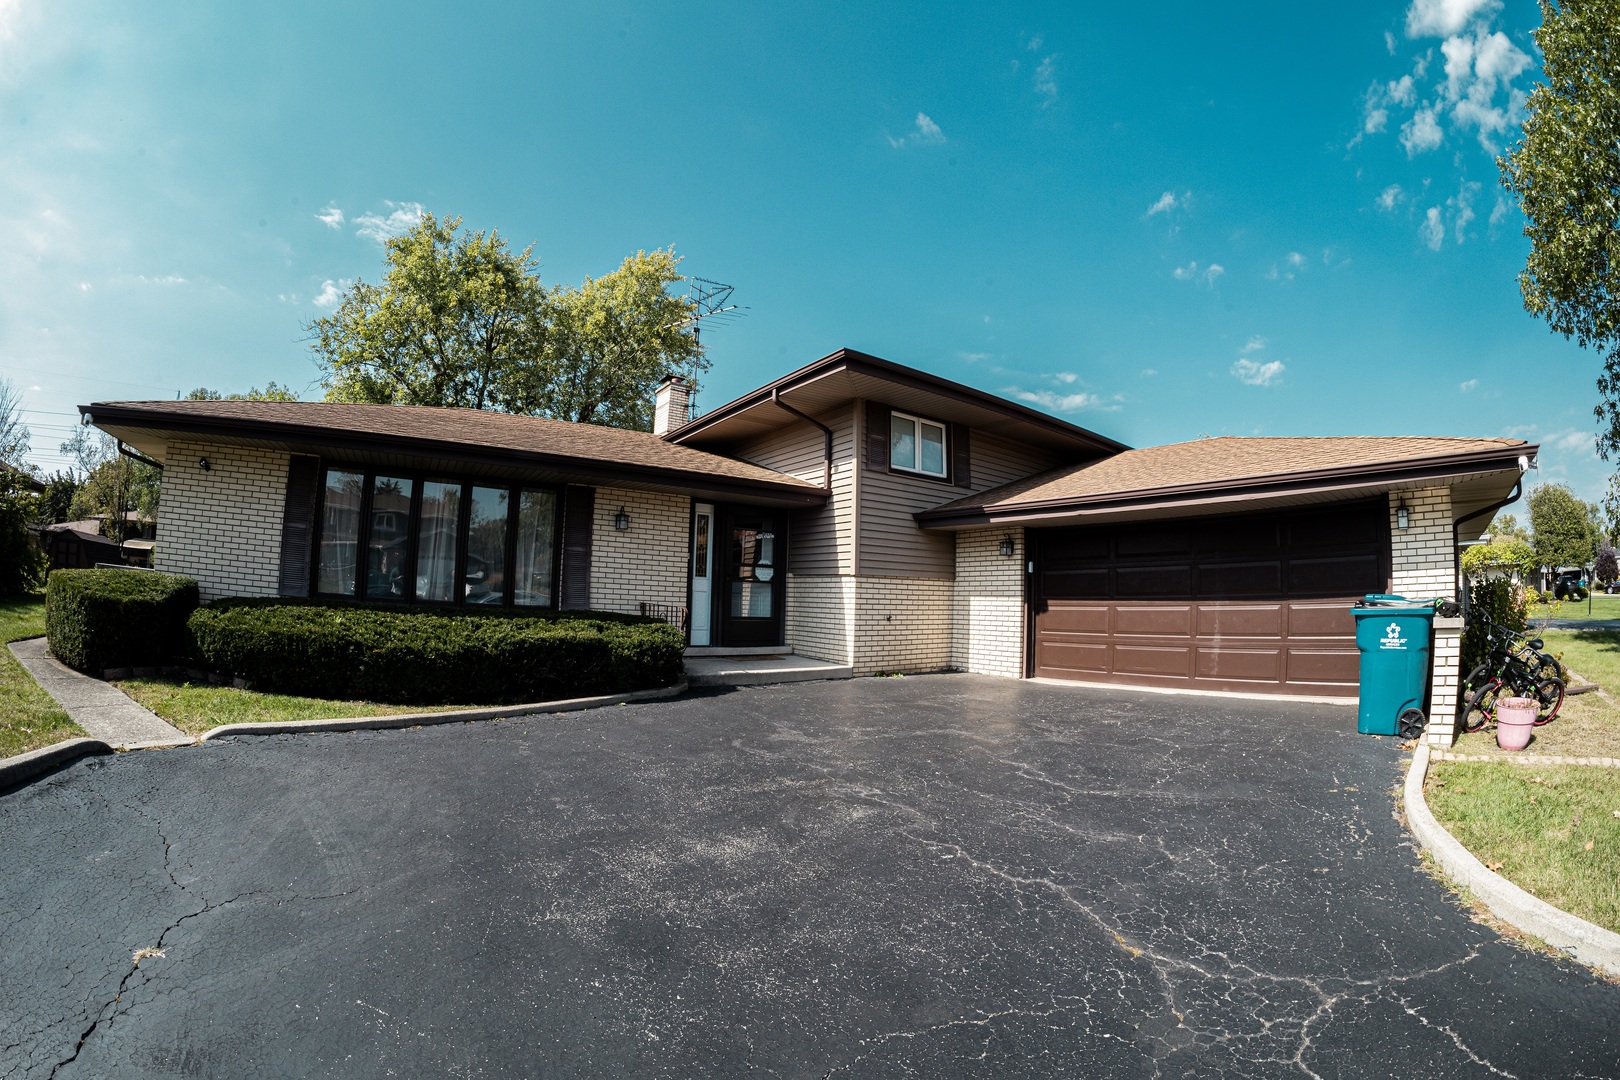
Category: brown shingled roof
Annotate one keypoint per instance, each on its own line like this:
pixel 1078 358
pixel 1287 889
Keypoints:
pixel 1228 462
pixel 426 430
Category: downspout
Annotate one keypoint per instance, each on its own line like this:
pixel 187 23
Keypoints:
pixel 827 450
pixel 136 455
pixel 1513 497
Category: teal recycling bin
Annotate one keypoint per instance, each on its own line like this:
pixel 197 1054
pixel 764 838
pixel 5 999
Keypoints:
pixel 1393 636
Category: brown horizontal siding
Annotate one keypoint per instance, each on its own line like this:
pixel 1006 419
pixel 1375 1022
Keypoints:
pixel 823 538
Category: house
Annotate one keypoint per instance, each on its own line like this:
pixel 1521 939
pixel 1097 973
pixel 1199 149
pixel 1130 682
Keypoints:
pixel 855 510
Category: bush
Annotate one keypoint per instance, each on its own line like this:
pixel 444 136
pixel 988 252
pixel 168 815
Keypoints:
pixel 22 563
pixel 97 619
pixel 1499 600
pixel 415 656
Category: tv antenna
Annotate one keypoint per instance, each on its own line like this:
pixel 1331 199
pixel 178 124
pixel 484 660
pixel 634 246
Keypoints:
pixel 708 300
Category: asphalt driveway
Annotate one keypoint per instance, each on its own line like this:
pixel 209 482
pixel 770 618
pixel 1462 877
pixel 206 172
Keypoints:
pixel 935 876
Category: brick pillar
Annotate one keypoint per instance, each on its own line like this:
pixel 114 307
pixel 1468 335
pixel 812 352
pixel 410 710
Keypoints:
pixel 1444 685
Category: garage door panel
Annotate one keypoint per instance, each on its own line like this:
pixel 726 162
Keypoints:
pixel 1154 660
pixel 1257 602
pixel 1249 665
pixel 1247 620
pixel 1154 620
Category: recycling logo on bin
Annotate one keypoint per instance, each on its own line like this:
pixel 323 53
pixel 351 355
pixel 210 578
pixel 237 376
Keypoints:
pixel 1392 638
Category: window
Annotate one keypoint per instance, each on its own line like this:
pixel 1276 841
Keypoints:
pixel 916 445
pixel 435 540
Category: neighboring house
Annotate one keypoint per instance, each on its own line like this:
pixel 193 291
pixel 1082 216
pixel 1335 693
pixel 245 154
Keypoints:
pixel 854 510
pixel 78 545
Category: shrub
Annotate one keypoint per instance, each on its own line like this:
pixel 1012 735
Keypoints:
pixel 416 656
pixel 97 619
pixel 1499 600
pixel 22 563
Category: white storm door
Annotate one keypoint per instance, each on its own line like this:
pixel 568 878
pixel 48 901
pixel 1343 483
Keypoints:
pixel 702 571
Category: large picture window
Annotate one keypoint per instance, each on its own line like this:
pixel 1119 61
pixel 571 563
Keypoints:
pixel 916 445
pixel 435 540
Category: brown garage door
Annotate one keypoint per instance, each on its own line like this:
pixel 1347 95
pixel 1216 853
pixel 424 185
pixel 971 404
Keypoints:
pixel 1257 603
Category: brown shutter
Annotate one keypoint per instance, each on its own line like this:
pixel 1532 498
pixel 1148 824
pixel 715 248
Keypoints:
pixel 961 456
pixel 298 525
pixel 579 513
pixel 877 436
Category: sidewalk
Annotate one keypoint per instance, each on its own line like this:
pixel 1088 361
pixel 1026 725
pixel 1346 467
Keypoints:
pixel 104 711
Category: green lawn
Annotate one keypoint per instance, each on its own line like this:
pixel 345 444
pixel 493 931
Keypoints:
pixel 1553 831
pixel 196 707
pixel 1603 606
pixel 1589 724
pixel 29 718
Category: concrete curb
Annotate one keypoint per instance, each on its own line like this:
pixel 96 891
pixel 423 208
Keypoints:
pixel 459 716
pixel 17 771
pixel 1586 942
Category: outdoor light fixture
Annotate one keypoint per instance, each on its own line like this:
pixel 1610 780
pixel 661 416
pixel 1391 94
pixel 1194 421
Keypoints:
pixel 202 463
pixel 1403 516
pixel 621 520
pixel 1005 547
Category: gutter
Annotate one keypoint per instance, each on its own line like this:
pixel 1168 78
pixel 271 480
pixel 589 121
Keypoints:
pixel 1456 526
pixel 136 455
pixel 827 435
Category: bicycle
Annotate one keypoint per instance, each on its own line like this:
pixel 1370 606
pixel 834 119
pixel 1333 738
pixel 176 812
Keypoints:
pixel 1519 666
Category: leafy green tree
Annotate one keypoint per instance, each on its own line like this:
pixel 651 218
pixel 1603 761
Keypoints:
pixel 611 341
pixel 273 391
pixel 1507 527
pixel 110 484
pixel 1505 554
pixel 56 500
pixel 1566 174
pixel 22 563
pixel 1564 535
pixel 456 322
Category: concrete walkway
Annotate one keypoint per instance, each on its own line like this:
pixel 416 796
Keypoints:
pixel 104 711
pixel 760 670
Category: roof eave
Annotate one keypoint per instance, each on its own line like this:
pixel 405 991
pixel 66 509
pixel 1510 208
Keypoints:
pixel 787 492
pixel 1247 488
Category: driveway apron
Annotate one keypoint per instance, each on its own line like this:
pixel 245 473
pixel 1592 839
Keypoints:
pixel 946 875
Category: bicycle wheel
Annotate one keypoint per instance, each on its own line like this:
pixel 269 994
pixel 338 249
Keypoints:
pixel 1480 691
pixel 1549 699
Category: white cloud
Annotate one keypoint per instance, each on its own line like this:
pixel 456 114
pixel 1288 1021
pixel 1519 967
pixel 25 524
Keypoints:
pixel 402 217
pixel 1442 18
pixel 1477 71
pixel 1422 132
pixel 973 357
pixel 1296 260
pixel 1166 203
pixel 1256 373
pixel 167 279
pixel 1148 373
pixel 1433 229
pixel 1573 442
pixel 1213 273
pixel 1499 211
pixel 331 293
pixel 1389 42
pixel 1467 385
pixel 924 133
pixel 1254 344
pixel 1046 79
pixel 1389 197
pixel 331 217
pixel 1185 273
pixel 1066 402
pixel 1401 91
pixel 1209 275
pixel 1065 377
pixel 1462 207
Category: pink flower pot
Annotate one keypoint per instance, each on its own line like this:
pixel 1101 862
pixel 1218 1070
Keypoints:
pixel 1515 719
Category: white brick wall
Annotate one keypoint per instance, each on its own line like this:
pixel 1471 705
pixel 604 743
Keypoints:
pixel 647 561
pixel 1446 683
pixel 821 616
pixel 987 604
pixel 223 526
pixel 902 624
pixel 1423 563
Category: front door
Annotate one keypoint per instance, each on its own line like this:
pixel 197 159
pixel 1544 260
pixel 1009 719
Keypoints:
pixel 702 571
pixel 750 557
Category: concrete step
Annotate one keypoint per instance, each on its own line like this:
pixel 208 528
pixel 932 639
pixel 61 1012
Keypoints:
pixel 760 670
pixel 748 650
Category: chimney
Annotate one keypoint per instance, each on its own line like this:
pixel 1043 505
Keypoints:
pixel 672 404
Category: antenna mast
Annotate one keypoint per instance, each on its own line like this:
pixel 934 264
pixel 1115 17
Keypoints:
pixel 708 300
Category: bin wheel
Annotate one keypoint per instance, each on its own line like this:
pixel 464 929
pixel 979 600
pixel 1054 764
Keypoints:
pixel 1411 723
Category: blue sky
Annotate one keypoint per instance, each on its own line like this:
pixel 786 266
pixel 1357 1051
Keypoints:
pixel 1154 220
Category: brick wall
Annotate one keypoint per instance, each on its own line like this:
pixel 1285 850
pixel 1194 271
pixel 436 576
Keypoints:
pixel 821 616
pixel 1446 682
pixel 1423 554
pixel 902 624
pixel 647 561
pixel 223 526
pixel 987 604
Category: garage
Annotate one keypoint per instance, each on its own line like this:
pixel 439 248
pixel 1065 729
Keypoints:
pixel 1256 603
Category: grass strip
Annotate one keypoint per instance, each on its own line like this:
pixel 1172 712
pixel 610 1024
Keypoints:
pixel 29 717
pixel 1553 831
pixel 196 707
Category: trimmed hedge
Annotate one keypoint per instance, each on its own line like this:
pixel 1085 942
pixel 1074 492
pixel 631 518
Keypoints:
pixel 97 619
pixel 424 657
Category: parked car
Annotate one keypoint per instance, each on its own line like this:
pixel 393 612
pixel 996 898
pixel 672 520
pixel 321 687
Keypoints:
pixel 1570 585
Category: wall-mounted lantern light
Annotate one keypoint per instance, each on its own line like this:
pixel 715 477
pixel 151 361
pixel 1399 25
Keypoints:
pixel 202 463
pixel 1005 547
pixel 621 520
pixel 1403 516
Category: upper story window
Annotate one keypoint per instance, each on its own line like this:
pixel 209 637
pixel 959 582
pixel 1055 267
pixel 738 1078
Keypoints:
pixel 916 445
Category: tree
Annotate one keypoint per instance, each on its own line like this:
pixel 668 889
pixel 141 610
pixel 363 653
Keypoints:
pixel 456 321
pixel 1507 527
pixel 14 434
pixel 110 484
pixel 1607 567
pixel 273 391
pixel 56 500
pixel 1563 529
pixel 22 563
pixel 611 341
pixel 1566 175
pixel 1505 554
